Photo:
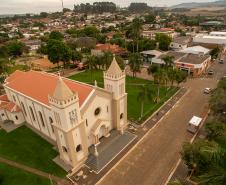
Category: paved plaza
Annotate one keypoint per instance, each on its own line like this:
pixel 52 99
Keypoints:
pixel 108 149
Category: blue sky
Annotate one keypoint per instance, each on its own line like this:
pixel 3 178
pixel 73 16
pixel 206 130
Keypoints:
pixel 35 6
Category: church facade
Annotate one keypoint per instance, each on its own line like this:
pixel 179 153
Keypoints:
pixel 72 114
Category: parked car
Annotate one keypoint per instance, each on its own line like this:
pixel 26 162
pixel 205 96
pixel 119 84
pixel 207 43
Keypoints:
pixel 207 90
pixel 194 124
pixel 210 72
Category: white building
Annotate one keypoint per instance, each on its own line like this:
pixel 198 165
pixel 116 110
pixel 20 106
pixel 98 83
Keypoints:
pixel 196 50
pixel 180 42
pixel 218 38
pixel 72 114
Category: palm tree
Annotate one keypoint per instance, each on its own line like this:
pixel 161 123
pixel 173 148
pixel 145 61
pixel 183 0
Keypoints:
pixel 171 73
pixel 144 93
pixel 106 60
pixel 91 62
pixel 160 77
pixel 168 61
pixel 180 76
pixel 136 31
pixel 217 172
pixel 135 62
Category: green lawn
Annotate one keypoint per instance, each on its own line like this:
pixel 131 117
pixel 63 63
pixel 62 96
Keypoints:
pixel 13 176
pixel 11 69
pixel 24 146
pixel 132 88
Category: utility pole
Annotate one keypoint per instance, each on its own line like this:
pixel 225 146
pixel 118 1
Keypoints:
pixel 62 2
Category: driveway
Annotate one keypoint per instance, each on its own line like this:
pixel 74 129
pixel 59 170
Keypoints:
pixel 152 160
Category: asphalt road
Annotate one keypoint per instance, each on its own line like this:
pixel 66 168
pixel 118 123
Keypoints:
pixel 152 161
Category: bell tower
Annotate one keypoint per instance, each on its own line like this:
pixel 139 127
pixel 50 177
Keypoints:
pixel 114 81
pixel 68 125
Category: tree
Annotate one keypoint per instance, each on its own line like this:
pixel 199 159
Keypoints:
pixel 180 76
pixel 43 14
pixel 215 52
pixel 215 130
pixel 149 19
pixel 96 7
pixel 171 73
pixel 86 42
pixel 76 56
pixel 152 69
pixel 216 174
pixel 66 54
pixel 144 93
pixel 160 78
pixel 195 156
pixel 163 40
pixel 58 51
pixel 218 101
pixel 136 31
pixel 43 49
pixel 138 7
pixel 106 60
pixel 56 35
pixel 88 31
pixel 91 62
pixel 15 48
pixel 168 61
pixel 135 63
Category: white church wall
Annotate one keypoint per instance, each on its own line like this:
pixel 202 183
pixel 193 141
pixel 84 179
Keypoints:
pixel 77 141
pixel 62 143
pixel 105 114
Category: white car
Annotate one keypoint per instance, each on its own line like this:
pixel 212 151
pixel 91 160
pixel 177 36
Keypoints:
pixel 207 90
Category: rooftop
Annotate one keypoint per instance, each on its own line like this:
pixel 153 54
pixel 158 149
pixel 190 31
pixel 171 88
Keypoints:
pixel 182 40
pixel 38 85
pixel 195 50
pixel 194 58
pixel 176 55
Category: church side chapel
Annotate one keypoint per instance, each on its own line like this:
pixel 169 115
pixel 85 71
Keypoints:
pixel 74 116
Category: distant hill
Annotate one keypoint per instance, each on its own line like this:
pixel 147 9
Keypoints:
pixel 197 5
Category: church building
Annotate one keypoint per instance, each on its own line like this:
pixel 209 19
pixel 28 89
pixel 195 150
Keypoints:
pixel 71 114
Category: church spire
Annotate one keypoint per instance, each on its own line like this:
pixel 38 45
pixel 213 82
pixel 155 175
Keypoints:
pixel 114 68
pixel 62 91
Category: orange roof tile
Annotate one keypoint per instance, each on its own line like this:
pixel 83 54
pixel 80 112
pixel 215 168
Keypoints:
pixel 39 85
pixel 11 107
pixel 14 75
pixel 4 98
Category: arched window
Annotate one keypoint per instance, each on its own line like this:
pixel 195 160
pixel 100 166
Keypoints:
pixel 41 118
pixel 23 107
pixel 121 115
pixel 51 123
pixel 87 123
pixel 50 120
pixel 78 148
pixel 64 149
pixel 32 113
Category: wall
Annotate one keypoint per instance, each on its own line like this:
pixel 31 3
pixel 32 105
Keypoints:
pixel 28 103
pixel 104 104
